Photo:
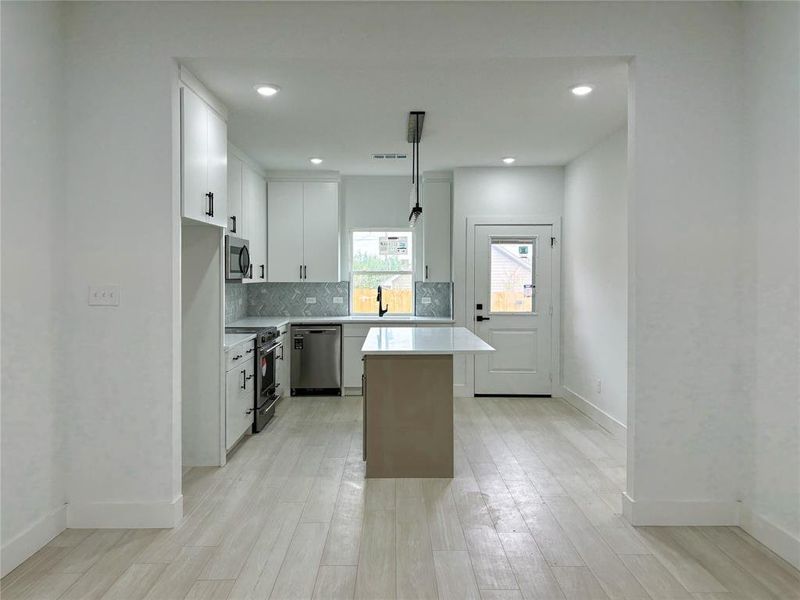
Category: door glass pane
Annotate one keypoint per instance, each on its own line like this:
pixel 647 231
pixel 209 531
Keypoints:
pixel 396 289
pixel 512 275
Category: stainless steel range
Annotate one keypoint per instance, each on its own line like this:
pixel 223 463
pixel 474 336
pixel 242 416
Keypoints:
pixel 268 349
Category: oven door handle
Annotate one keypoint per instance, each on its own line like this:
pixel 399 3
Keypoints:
pixel 272 348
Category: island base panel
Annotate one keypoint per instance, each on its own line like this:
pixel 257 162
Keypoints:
pixel 408 416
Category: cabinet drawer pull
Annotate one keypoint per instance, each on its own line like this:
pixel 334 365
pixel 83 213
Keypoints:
pixel 237 357
pixel 210 211
pixel 233 219
pixel 244 380
pixel 305 271
pixel 262 272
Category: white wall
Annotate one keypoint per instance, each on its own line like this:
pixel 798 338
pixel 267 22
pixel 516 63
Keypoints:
pixel 772 76
pixel 122 365
pixel 122 376
pixel 371 201
pixel 595 282
pixel 494 192
pixel 32 421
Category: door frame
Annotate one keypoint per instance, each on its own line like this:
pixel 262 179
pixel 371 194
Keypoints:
pixel 555 267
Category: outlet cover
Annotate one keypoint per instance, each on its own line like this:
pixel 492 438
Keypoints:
pixel 426 300
pixel 311 300
pixel 104 295
pixel 338 300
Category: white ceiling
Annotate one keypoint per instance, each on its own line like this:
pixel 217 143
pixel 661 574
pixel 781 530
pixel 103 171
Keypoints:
pixel 478 111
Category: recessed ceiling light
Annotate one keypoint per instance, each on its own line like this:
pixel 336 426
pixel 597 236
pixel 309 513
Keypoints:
pixel 267 89
pixel 581 90
pixel 509 159
pixel 315 161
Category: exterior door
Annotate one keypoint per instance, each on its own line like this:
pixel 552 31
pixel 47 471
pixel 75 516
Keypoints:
pixel 513 309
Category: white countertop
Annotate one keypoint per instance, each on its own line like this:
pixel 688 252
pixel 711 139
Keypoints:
pixel 353 319
pixel 423 340
pixel 232 339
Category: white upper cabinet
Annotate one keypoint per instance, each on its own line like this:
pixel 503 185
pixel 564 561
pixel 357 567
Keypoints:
pixel 436 229
pixel 303 229
pixel 204 161
pixel 235 221
pixel 254 200
pixel 285 226
pixel 320 231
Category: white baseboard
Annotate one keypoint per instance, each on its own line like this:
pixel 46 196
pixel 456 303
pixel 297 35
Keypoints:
pixel 777 539
pixel 21 547
pixel 595 413
pixel 125 515
pixel 460 390
pixel 679 512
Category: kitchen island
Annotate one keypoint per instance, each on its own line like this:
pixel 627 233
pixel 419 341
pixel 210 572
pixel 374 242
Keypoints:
pixel 408 398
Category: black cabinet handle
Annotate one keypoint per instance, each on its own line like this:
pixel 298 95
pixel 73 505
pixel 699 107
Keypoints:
pixel 426 272
pixel 233 229
pixel 480 318
pixel 212 204
pixel 210 211
pixel 305 272
pixel 301 271
pixel 244 380
pixel 262 271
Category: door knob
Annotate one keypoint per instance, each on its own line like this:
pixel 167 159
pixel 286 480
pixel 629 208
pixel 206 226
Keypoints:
pixel 480 318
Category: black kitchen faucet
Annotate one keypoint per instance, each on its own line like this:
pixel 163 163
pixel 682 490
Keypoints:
pixel 381 311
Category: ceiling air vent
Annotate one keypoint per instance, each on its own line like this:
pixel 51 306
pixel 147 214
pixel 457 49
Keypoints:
pixel 390 156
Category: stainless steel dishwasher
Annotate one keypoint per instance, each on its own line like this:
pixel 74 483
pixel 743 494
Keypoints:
pixel 316 360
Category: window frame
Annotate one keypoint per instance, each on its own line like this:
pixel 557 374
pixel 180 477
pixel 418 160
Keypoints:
pixel 410 272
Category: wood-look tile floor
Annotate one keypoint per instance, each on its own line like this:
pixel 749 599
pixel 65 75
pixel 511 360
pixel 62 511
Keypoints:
pixel 533 512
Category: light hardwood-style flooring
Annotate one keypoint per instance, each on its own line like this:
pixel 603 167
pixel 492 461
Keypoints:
pixel 532 513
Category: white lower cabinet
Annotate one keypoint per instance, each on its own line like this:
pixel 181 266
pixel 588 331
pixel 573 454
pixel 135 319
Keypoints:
pixel 352 367
pixel 240 386
pixel 353 337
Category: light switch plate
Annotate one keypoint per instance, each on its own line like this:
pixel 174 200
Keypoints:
pixel 426 300
pixel 104 295
pixel 311 300
pixel 338 300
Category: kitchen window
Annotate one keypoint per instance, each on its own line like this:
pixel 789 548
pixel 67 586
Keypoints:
pixel 382 258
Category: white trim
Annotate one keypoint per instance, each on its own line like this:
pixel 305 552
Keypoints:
pixel 460 390
pixel 553 221
pixel 777 539
pixel 189 79
pixel 328 176
pixel 595 413
pixel 18 549
pixel 431 176
pixel 680 512
pixel 125 515
pixel 240 154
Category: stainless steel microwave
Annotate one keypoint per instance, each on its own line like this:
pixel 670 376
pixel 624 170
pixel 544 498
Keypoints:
pixel 237 258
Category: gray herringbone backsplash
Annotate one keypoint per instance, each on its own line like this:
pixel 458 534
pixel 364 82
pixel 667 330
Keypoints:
pixel 292 299
pixel 433 299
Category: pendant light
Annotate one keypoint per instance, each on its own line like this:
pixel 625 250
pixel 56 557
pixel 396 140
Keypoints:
pixel 415 122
